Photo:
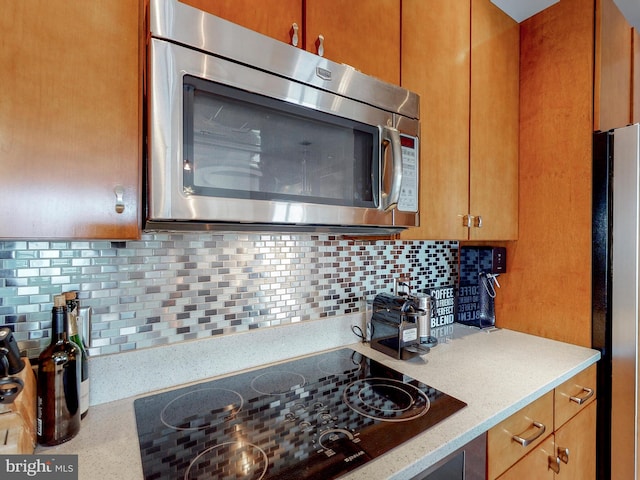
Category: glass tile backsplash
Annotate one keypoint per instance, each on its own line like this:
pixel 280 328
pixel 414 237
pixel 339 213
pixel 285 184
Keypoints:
pixel 172 287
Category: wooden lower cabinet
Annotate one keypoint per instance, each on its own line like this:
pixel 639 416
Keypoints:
pixel 558 432
pixel 577 437
pixel 535 465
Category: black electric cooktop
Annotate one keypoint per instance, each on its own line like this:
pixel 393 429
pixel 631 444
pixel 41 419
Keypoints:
pixel 315 418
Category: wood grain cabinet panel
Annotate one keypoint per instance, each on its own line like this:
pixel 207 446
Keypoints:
pixel 462 58
pixel 273 18
pixel 535 465
pixel 436 40
pixel 578 437
pixel 494 133
pixel 613 88
pixel 362 33
pixel 548 267
pixel 70 118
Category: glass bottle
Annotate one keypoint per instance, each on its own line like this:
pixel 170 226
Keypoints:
pixel 59 376
pixel 73 308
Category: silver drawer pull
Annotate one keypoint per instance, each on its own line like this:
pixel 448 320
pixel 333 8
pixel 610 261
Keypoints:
pixel 563 454
pixel 580 400
pixel 554 463
pixel 525 442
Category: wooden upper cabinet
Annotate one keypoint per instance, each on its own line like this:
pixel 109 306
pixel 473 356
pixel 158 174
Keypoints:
pixel 435 62
pixel 463 59
pixel 274 18
pixel 70 119
pixel 362 33
pixel 613 88
pixel 495 98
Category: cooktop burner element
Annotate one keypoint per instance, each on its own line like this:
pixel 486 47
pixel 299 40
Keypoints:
pixel 386 399
pixel 314 418
pixel 229 460
pixel 201 408
pixel 277 383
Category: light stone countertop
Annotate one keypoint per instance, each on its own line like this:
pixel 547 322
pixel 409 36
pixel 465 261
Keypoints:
pixel 496 373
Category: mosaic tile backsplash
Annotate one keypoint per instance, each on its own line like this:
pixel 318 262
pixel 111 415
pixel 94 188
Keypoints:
pixel 172 287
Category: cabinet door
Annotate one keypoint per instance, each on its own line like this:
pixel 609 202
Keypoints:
pixel 269 17
pixel 435 64
pixel 495 66
pixel 362 33
pixel 612 96
pixel 463 59
pixel 535 466
pixel 70 118
pixel 579 437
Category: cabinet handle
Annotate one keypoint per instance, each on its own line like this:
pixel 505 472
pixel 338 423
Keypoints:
pixel 294 34
pixel 466 220
pixel 320 45
pixel 580 400
pixel 477 221
pixel 525 442
pixel 119 192
pixel 563 454
pixel 554 463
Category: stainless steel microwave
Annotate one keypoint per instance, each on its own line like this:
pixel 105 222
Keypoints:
pixel 245 131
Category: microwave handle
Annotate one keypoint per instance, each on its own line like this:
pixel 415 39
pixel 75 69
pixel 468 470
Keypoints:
pixel 391 139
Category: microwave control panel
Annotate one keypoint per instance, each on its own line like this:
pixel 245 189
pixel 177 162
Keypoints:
pixel 408 201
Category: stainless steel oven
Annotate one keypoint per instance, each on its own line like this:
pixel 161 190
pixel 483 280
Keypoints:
pixel 466 463
pixel 247 130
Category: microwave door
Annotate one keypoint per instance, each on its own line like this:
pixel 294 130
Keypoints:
pixel 240 146
pixel 231 144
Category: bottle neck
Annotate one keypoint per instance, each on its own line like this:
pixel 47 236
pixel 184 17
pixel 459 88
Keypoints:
pixel 59 324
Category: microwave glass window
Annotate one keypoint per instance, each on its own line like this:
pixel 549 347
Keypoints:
pixel 242 145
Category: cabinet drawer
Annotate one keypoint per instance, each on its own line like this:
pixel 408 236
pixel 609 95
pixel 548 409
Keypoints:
pixel 532 425
pixel 574 395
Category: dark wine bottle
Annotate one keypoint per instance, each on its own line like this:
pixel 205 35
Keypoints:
pixel 73 307
pixel 59 373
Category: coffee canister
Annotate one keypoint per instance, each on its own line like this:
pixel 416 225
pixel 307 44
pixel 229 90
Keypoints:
pixel 425 304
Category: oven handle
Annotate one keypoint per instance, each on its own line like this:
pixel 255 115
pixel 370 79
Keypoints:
pixel 391 139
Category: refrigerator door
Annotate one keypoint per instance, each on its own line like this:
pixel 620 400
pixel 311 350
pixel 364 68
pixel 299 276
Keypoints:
pixel 624 303
pixel 601 292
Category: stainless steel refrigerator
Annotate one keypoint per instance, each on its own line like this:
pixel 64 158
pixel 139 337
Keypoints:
pixel 615 296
